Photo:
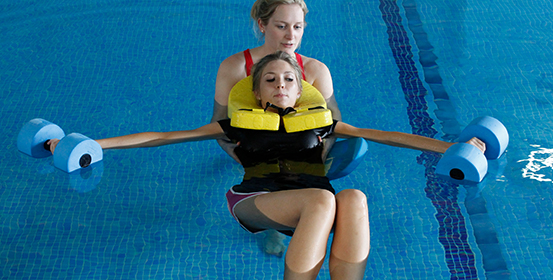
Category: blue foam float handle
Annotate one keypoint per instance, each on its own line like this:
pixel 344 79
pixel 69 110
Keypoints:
pixel 489 130
pixel 76 151
pixel 463 164
pixel 345 156
pixel 32 136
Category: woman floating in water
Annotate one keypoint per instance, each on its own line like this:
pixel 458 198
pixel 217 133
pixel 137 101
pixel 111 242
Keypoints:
pixel 284 186
pixel 281 24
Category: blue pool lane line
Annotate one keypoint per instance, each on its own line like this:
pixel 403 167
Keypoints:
pixel 452 230
pixel 446 111
pixel 494 265
pixel 485 235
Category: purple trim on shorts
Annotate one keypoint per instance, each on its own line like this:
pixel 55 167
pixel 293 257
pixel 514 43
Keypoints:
pixel 233 198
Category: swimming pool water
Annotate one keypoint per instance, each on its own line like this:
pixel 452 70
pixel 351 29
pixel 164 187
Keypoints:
pixel 106 68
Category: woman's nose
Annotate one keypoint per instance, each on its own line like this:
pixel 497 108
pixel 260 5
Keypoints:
pixel 289 32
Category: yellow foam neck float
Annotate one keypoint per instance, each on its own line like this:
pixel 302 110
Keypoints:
pixel 244 111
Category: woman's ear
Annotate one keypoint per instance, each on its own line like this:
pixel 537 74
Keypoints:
pixel 260 25
pixel 258 99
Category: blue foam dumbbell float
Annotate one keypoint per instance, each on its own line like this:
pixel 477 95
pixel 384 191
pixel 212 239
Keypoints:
pixel 463 163
pixel 74 151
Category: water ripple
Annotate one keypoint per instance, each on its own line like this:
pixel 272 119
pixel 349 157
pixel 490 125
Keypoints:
pixel 540 165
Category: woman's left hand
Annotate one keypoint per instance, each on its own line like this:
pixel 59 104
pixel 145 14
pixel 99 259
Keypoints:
pixel 53 143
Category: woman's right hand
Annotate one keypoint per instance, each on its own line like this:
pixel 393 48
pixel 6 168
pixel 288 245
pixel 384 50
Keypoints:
pixel 477 143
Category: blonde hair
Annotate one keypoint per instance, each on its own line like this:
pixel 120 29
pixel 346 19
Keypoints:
pixel 257 70
pixel 264 10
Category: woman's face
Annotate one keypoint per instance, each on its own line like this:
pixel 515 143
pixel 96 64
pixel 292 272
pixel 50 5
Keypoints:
pixel 279 85
pixel 284 30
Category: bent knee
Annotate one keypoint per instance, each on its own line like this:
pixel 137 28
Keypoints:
pixel 322 199
pixel 352 199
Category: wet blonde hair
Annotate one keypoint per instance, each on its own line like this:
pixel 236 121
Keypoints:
pixel 257 70
pixel 264 10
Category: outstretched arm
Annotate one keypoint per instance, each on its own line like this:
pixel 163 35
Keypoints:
pixel 400 139
pixel 154 139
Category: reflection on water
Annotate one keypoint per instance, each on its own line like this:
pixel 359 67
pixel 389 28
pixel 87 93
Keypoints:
pixel 540 165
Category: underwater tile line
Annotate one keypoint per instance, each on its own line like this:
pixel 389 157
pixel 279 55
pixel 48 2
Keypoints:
pixel 460 258
pixel 483 229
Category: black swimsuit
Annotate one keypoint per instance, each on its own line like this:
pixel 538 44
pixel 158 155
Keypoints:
pixel 277 160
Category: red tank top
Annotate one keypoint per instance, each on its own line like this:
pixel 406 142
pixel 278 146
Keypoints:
pixel 249 62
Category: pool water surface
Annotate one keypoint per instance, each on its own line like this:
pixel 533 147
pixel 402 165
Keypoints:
pixel 111 67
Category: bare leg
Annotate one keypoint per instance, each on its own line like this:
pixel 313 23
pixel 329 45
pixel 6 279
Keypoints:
pixel 290 274
pixel 310 211
pixel 351 244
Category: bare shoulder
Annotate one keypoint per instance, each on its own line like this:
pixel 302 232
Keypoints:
pixel 314 67
pixel 232 64
pixel 318 74
pixel 231 70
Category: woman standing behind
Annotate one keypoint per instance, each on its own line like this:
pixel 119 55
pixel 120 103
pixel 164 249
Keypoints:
pixel 281 23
